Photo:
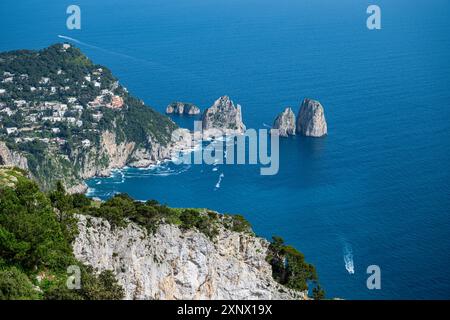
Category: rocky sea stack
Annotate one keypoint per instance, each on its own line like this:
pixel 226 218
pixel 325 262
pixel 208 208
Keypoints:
pixel 223 115
pixel 285 123
pixel 311 119
pixel 182 108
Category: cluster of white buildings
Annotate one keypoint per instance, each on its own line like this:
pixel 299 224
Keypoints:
pixel 35 114
pixel 42 120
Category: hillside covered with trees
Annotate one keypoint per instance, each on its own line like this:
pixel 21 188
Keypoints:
pixel 55 106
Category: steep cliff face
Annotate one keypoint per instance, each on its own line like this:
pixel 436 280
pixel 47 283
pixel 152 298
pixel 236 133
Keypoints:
pixel 12 158
pixel 96 160
pixel 223 115
pixel 119 154
pixel 176 264
pixel 285 123
pixel 112 154
pixel 181 108
pixel 311 119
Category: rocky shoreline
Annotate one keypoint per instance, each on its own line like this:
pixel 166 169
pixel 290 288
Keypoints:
pixel 222 118
pixel 140 158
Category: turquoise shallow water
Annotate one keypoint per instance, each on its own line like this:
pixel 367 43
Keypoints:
pixel 377 186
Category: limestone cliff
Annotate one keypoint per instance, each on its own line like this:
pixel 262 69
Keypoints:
pixel 285 123
pixel 181 108
pixel 113 154
pixel 223 115
pixel 12 158
pixel 120 154
pixel 176 264
pixel 311 119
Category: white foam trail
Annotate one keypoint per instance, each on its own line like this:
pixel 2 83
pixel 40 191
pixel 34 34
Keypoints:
pixel 220 180
pixel 159 65
pixel 266 125
pixel 101 49
pixel 348 259
pixel 82 43
pixel 215 169
pixel 69 38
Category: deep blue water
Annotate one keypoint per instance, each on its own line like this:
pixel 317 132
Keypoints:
pixel 378 183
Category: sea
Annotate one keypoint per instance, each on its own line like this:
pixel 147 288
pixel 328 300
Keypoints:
pixel 374 192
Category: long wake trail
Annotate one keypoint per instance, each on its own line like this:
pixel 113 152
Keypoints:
pixel 164 67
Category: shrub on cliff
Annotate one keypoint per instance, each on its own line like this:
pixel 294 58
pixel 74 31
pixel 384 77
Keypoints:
pixel 15 285
pixel 290 268
pixel 35 246
pixel 205 223
pixel 93 287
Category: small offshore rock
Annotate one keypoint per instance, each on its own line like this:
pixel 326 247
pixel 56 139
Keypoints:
pixel 311 119
pixel 285 123
pixel 182 108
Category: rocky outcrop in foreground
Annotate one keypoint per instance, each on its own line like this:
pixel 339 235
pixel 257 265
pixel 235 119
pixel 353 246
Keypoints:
pixel 223 115
pixel 311 119
pixel 176 264
pixel 285 123
pixel 182 108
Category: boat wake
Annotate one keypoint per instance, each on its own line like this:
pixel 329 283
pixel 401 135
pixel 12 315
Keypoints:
pixel 117 177
pixel 348 259
pixel 220 181
pixel 163 169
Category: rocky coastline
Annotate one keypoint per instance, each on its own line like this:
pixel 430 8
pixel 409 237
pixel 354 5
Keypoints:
pixel 187 253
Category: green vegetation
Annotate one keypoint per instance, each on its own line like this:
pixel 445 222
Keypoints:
pixel 121 209
pixel 15 285
pixel 290 269
pixel 57 98
pixel 35 248
pixel 37 229
pixel 318 293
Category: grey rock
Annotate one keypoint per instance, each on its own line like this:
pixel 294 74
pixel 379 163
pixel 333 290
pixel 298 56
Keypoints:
pixel 223 115
pixel 175 264
pixel 12 158
pixel 285 123
pixel 311 119
pixel 119 155
pixel 181 108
